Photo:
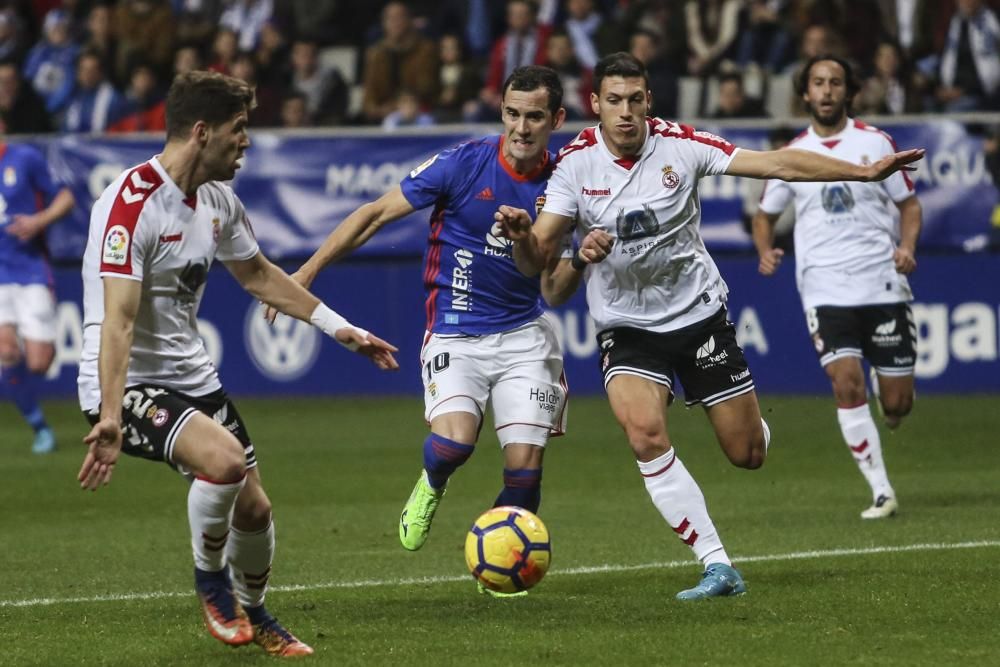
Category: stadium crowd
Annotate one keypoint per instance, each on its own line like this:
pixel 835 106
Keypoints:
pixel 104 65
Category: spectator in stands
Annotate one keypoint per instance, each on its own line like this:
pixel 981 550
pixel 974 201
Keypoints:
pixel 272 56
pixel 224 50
pixel 575 80
pixel 12 35
pixel 51 62
pixel 592 35
pixel 293 111
pixel 95 104
pixel 246 18
pixel 197 20
pixel 733 101
pixel 522 44
pixel 325 90
pixel 889 89
pixel 970 63
pixel 917 26
pixel 325 22
pixel 100 36
pixel 665 20
pixel 407 113
pixel 460 83
pixel 145 29
pixel 21 109
pixel 712 27
pixel 661 72
pixel 816 40
pixel 187 59
pixel 267 113
pixel 145 102
pixel 402 59
pixel 765 39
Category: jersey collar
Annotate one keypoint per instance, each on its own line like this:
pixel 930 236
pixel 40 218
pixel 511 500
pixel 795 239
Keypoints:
pixel 190 202
pixel 630 161
pixel 521 178
pixel 849 125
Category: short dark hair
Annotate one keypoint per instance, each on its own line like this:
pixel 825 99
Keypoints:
pixel 532 77
pixel 620 64
pixel 730 76
pixel 205 96
pixel 850 81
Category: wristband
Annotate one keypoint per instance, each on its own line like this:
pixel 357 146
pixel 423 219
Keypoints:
pixel 329 321
pixel 577 262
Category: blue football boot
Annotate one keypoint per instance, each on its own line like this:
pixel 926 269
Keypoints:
pixel 718 580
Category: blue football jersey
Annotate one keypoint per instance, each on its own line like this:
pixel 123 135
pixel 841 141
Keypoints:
pixel 471 284
pixel 26 187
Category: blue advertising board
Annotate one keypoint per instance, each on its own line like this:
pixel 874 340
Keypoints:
pixel 298 188
pixel 956 311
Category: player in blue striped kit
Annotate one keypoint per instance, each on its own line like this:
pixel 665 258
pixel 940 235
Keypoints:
pixel 30 201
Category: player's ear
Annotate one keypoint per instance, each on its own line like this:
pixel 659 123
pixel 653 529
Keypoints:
pixel 559 118
pixel 594 106
pixel 199 131
pixel 649 101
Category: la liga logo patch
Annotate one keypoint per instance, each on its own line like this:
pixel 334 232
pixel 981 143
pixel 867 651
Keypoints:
pixel 116 245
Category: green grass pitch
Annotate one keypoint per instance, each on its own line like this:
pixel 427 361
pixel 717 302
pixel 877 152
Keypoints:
pixel 105 578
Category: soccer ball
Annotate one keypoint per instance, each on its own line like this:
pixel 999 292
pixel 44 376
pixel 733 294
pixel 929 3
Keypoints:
pixel 508 549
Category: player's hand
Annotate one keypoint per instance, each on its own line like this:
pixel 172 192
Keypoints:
pixel 904 261
pixel 770 261
pixel 302 278
pixel 369 345
pixel 104 444
pixel 596 246
pixel 890 164
pixel 25 227
pixel 514 223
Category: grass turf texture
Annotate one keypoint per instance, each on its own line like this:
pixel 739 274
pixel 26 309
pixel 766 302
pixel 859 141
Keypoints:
pixel 339 471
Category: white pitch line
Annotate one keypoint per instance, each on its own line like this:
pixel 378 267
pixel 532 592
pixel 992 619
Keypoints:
pixel 589 569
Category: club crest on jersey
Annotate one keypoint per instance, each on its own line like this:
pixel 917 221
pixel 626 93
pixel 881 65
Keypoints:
pixel 10 176
pixel 539 204
pixel 670 178
pixel 116 245
pixel 837 198
pixel 216 230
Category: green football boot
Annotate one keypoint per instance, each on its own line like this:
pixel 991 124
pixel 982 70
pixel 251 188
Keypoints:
pixel 497 594
pixel 415 521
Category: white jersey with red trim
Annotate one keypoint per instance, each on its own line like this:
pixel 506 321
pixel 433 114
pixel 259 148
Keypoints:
pixel 659 276
pixel 845 232
pixel 142 228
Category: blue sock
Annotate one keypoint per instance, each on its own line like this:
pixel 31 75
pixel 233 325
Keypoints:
pixel 442 457
pixel 18 385
pixel 521 488
pixel 258 615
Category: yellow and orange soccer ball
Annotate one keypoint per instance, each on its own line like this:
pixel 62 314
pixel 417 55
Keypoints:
pixel 508 549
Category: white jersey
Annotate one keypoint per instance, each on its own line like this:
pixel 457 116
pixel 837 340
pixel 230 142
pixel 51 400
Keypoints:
pixel 845 233
pixel 142 228
pixel 659 276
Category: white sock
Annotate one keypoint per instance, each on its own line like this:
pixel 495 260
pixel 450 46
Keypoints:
pixel 861 436
pixel 680 501
pixel 250 555
pixel 210 514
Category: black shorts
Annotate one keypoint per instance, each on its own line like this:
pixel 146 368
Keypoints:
pixel 704 356
pixel 153 417
pixel 885 335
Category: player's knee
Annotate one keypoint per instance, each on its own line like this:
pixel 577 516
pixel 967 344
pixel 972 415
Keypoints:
pixel 849 393
pixel 10 353
pixel 228 464
pixel 747 452
pixel 647 439
pixel 897 406
pixel 40 365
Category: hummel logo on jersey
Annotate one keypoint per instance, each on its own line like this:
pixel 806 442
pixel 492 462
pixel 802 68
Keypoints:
pixel 486 194
pixel 886 328
pixel 171 238
pixel 706 349
pixel 140 185
pixel 597 192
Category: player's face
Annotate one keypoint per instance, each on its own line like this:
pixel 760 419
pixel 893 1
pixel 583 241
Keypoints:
pixel 826 93
pixel 225 146
pixel 528 123
pixel 622 105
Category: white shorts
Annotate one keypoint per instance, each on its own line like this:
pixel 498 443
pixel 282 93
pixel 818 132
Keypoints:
pixel 31 309
pixel 519 372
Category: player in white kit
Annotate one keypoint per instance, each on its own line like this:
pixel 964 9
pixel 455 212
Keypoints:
pixel 654 292
pixel 145 375
pixel 851 263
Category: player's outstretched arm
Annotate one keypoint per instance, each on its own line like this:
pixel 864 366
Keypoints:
pixel 762 228
pixel 274 287
pixel 104 442
pixel 27 227
pixel 793 164
pixel 560 282
pixel 535 246
pixel 349 235
pixel 910 222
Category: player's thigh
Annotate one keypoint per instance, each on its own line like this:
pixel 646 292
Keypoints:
pixel 639 405
pixel 10 349
pixel 454 372
pixel 529 388
pixel 890 345
pixel 35 308
pixel 205 448
pixel 836 333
